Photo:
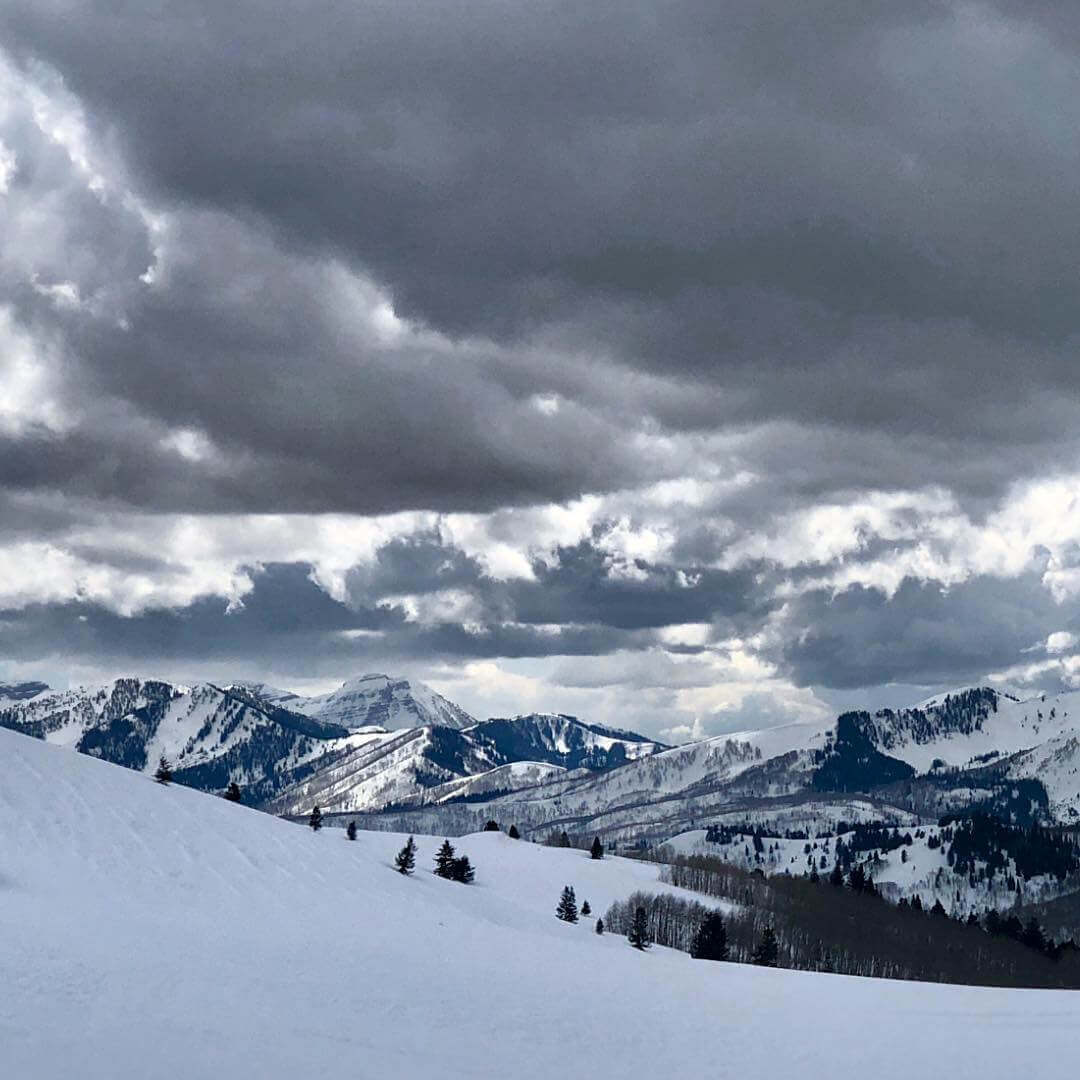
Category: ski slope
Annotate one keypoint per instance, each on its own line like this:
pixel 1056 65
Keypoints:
pixel 150 932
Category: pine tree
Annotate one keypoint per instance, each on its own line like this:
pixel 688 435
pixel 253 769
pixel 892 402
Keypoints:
pixel 597 849
pixel 564 840
pixel 350 830
pixel 639 930
pixel 513 833
pixel 232 792
pixel 315 821
pixel 767 954
pixel 567 909
pixel 585 909
pixel 599 926
pixel 491 826
pixel 164 771
pixel 836 878
pixel 405 859
pixel 461 870
pixel 710 942
pixel 444 860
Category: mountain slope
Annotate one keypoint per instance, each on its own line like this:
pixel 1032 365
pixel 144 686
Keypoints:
pixel 211 736
pixel 227 943
pixel 430 764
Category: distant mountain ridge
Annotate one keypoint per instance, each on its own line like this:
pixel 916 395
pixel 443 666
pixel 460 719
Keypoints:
pixel 976 749
pixel 395 750
pixel 375 741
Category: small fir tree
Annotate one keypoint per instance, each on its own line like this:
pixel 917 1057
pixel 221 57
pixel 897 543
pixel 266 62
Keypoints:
pixel 585 909
pixel 567 909
pixel 710 942
pixel 405 859
pixel 639 930
pixel 564 840
pixel 767 954
pixel 461 870
pixel 315 821
pixel 599 926
pixel 164 770
pixel 444 860
pixel 491 826
pixel 232 792
pixel 597 849
pixel 350 830
pixel 513 833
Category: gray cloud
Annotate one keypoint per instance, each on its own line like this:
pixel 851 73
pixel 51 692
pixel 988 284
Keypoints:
pixel 828 251
pixel 923 634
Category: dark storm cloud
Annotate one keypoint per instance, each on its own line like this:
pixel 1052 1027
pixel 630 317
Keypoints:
pixel 923 634
pixel 580 585
pixel 866 198
pixel 829 247
pixel 286 623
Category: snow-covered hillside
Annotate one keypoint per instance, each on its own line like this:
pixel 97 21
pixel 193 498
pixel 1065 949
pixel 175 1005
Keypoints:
pixel 430 764
pixel 919 867
pixel 151 932
pixel 973 726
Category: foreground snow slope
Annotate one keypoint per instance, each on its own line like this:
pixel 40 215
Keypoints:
pixel 151 932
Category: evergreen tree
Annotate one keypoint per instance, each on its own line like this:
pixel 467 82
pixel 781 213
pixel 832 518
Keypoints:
pixel 836 878
pixel 768 951
pixel 600 926
pixel 916 904
pixel 513 833
pixel 710 942
pixel 164 771
pixel 1033 936
pixel 567 909
pixel 350 830
pixel 315 821
pixel 405 859
pixel 639 930
pixel 597 849
pixel 564 840
pixel 444 860
pixel 232 792
pixel 491 826
pixel 461 870
pixel 585 909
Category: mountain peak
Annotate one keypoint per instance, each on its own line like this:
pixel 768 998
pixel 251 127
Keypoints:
pixel 380 700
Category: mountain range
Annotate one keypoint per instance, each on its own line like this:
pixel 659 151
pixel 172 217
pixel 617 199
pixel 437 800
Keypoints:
pixel 376 741
pixel 409 759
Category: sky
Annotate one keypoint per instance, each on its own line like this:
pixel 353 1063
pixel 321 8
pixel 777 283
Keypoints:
pixel 685 366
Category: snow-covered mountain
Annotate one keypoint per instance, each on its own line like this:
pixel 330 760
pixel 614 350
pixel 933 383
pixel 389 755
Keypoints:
pixel 211 736
pixel 374 701
pixel 287 752
pixel 974 749
pixel 433 764
pixel 153 931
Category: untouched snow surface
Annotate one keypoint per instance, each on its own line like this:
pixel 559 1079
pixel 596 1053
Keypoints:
pixel 150 932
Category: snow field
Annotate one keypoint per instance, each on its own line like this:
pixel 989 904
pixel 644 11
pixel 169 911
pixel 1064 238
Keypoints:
pixel 150 932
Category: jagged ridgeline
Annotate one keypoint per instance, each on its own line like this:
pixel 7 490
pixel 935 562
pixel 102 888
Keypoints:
pixel 395 750
pixel 285 752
